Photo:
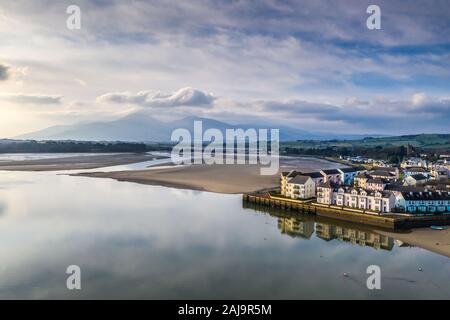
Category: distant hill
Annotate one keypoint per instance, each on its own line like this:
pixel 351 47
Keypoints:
pixel 140 127
pixel 434 141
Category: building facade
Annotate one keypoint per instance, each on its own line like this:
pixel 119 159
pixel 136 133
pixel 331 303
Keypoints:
pixel 377 202
pixel 297 186
pixel 415 180
pixel 424 202
pixel 348 174
pixel 332 175
pixel 376 184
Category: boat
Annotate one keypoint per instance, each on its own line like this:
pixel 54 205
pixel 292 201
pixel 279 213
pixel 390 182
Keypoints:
pixel 437 228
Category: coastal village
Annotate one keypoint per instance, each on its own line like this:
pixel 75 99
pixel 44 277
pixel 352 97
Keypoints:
pixel 414 189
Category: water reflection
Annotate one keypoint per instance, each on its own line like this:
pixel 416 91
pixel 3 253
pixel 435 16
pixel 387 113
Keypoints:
pixel 356 237
pixel 140 241
pixel 304 226
pixel 295 227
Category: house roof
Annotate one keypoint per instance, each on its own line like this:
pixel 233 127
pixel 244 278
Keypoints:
pixel 363 176
pixel 325 185
pixel 416 169
pixel 292 174
pixel 331 171
pixel 350 169
pixel 381 173
pixel 299 179
pixel 385 168
pixel 377 181
pixel 426 195
pixel 348 189
pixel 418 177
pixel 312 174
pixel 398 186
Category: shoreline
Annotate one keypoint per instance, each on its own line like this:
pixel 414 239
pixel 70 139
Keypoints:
pixel 437 241
pixel 77 162
pixel 227 179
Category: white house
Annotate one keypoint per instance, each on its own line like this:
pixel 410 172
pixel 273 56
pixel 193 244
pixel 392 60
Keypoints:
pixel 416 170
pixel 377 202
pixel 376 184
pixel 300 187
pixel 297 186
pixel 414 162
pixel 415 180
pixel 326 194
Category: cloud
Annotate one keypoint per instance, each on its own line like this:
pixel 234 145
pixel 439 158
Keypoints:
pixel 184 97
pixel 31 98
pixel 4 72
pixel 297 107
pixel 419 99
pixel 353 101
pixel 80 82
pixel 419 113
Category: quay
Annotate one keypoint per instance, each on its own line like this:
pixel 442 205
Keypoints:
pixel 385 221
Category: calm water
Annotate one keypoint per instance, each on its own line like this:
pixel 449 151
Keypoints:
pixel 140 241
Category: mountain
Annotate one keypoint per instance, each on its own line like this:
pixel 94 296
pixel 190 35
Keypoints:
pixel 142 127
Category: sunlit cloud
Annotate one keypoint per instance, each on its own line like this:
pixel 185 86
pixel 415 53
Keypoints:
pixel 31 98
pixel 183 97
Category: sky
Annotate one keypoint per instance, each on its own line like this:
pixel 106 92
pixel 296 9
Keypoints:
pixel 313 65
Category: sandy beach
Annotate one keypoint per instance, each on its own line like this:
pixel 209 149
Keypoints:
pixel 77 162
pixel 231 179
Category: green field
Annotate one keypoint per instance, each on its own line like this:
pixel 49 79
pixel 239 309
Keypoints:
pixel 425 141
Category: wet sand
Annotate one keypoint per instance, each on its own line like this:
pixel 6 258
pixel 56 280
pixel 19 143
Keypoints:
pixel 437 241
pixel 231 179
pixel 77 162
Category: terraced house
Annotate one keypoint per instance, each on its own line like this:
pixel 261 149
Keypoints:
pixel 376 202
pixel 348 174
pixel 423 202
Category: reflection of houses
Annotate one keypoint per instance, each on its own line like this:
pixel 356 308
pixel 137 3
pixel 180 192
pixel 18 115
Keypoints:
pixel 296 227
pixel 363 238
pixel 402 244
